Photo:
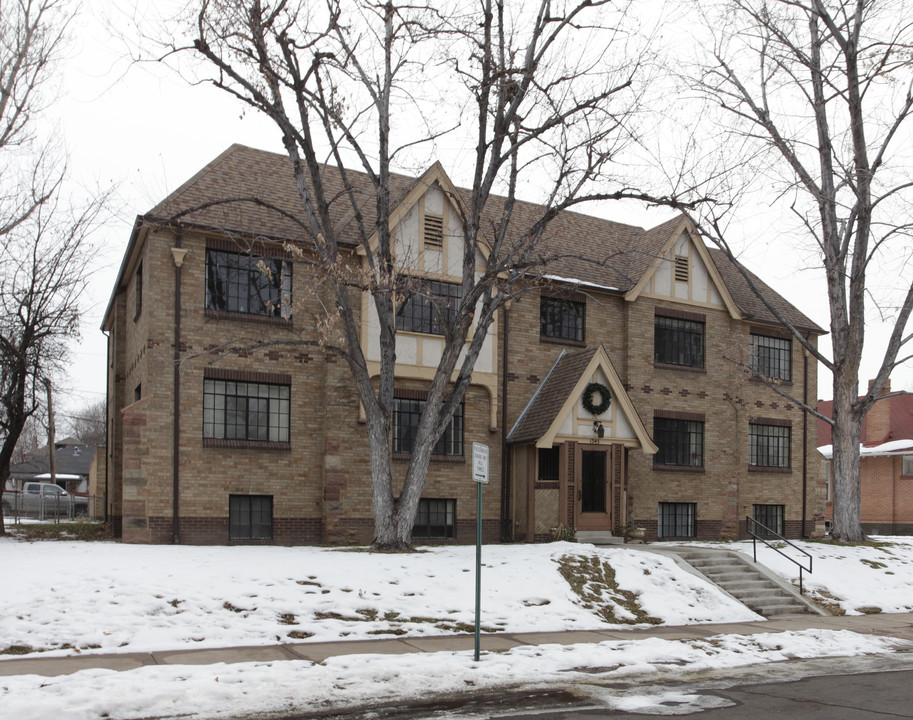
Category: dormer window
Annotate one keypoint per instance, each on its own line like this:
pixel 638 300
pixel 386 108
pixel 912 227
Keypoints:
pixel 433 235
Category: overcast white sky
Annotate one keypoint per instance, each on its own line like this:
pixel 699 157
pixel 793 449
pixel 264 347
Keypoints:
pixel 141 129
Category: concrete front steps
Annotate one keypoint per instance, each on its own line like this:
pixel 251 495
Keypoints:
pixel 598 537
pixel 748 583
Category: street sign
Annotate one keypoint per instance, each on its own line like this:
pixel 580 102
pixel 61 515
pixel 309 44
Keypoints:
pixel 480 462
pixel 480 475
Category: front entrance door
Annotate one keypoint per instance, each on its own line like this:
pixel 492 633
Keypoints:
pixel 593 501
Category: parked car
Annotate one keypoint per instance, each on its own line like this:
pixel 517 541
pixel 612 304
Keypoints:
pixel 44 500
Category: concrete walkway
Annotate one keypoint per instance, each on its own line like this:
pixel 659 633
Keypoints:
pixel 898 625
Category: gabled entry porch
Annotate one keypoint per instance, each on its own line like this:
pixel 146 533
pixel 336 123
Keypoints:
pixel 569 450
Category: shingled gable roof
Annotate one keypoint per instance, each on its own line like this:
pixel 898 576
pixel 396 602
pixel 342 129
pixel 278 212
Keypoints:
pixel 585 249
pixel 564 382
pixel 242 173
pixel 753 309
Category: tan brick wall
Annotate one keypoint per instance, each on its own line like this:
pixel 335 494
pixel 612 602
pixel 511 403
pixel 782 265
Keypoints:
pixel 725 490
pixel 320 483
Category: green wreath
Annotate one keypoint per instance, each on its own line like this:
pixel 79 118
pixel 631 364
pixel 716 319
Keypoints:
pixel 605 398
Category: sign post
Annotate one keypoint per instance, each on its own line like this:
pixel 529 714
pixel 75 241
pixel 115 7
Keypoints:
pixel 480 475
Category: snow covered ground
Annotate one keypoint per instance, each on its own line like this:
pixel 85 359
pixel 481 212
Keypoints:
pixel 107 597
pixel 858 580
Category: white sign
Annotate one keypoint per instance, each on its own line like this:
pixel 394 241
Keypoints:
pixel 480 462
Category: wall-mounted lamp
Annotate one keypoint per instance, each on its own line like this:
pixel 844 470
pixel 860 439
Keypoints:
pixel 598 429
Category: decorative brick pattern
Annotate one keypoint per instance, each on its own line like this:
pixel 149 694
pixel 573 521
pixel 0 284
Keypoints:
pixel 319 481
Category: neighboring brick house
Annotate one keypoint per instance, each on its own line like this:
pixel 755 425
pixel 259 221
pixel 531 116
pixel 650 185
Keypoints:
pixel 885 463
pixel 268 444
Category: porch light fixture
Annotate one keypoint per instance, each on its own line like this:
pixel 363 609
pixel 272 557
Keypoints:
pixel 598 429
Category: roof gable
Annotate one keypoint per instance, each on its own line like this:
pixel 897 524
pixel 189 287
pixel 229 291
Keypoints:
pixel 603 254
pixel 682 269
pixel 556 411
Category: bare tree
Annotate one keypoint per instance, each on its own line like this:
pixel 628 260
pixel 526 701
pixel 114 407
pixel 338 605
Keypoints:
pixel 32 35
pixel 818 98
pixel 87 424
pixel 42 279
pixel 363 84
pixel 43 249
pixel 34 434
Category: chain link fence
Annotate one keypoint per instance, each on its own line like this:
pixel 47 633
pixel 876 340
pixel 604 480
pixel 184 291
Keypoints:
pixel 53 508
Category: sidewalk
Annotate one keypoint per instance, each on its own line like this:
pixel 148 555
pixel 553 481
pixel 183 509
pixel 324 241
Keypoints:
pixel 898 625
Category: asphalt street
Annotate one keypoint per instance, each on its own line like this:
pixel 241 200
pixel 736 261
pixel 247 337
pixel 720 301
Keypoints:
pixel 864 688
pixel 870 696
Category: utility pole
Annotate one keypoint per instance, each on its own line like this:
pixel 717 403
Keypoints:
pixel 47 385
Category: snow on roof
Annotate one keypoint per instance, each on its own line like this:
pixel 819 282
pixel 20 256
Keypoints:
pixel 575 281
pixel 892 447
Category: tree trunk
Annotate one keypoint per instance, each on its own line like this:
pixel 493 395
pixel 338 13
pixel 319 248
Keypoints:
pixel 847 431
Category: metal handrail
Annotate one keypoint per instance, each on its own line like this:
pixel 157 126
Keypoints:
pixel 751 530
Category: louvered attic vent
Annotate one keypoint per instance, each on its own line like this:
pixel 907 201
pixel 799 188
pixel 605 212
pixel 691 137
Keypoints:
pixel 434 230
pixel 681 268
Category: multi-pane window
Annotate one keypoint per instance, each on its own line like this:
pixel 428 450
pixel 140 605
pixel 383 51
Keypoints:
pixel 430 309
pixel 435 519
pixel 678 342
pixel 676 520
pixel 548 463
pixel 561 319
pixel 768 445
pixel 245 411
pixel 247 284
pixel 680 442
pixel 771 517
pixel 406 414
pixel 771 356
pixel 250 517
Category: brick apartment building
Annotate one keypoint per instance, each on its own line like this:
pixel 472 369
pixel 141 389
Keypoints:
pixel 269 444
pixel 885 463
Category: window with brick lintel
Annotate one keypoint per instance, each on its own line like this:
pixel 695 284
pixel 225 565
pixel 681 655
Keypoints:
pixel 238 410
pixel 771 356
pixel 562 318
pixel 769 445
pixel 406 414
pixel 678 340
pixel 248 284
pixel 680 442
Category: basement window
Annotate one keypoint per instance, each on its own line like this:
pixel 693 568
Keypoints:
pixel 676 520
pixel 771 517
pixel 435 519
pixel 250 517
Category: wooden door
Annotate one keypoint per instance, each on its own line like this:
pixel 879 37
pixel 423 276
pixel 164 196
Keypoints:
pixel 593 503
